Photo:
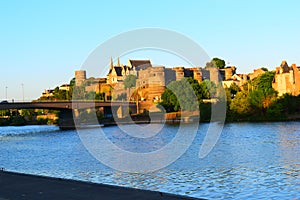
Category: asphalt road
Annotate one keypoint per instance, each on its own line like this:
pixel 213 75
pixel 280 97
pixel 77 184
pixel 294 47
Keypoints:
pixel 22 186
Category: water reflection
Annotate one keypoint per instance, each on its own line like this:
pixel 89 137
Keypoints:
pixel 289 140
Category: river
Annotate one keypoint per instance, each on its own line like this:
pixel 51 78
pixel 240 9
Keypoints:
pixel 249 161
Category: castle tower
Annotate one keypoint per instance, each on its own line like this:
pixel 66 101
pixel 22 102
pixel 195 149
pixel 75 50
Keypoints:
pixel 80 77
pixel 179 73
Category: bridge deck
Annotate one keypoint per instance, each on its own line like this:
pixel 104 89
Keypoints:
pixel 58 105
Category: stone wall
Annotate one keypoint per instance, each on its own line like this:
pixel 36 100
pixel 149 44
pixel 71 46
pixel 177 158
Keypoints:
pixel 287 79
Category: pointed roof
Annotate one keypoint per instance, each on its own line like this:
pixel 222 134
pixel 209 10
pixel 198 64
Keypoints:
pixel 285 67
pixel 111 63
pixel 140 63
pixel 118 70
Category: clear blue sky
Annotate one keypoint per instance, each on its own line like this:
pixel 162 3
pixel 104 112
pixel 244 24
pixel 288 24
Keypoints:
pixel 42 43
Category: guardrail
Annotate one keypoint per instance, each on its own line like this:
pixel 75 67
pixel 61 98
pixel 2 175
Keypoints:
pixel 41 101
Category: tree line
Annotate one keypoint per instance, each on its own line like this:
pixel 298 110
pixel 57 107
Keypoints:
pixel 256 100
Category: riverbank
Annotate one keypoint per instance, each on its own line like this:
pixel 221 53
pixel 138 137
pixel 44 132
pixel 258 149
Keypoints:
pixel 22 121
pixel 24 186
pixel 169 118
pixel 269 118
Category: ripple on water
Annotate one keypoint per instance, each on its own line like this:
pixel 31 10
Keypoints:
pixel 21 132
pixel 250 161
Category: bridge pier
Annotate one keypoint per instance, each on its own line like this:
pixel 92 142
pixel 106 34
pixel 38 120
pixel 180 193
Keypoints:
pixel 66 120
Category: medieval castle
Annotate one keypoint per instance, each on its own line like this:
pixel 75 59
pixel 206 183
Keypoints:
pixel 152 80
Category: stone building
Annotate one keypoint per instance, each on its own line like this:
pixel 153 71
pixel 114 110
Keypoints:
pixel 94 84
pixel 116 73
pixel 287 79
pixel 256 73
pixel 151 82
pixel 230 77
pixel 227 72
pixel 136 65
pixel 238 79
pixel 65 87
pixel 48 93
pixel 119 72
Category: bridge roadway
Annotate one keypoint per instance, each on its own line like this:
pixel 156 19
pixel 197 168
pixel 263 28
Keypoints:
pixel 66 108
pixel 61 105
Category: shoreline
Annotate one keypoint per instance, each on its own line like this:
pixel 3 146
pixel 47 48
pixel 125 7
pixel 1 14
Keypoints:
pixel 175 122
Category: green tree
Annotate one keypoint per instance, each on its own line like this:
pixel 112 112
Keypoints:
pixel 78 93
pixel 222 94
pixel 29 114
pixel 91 95
pixel 288 104
pixel 263 82
pixel 130 82
pixel 207 89
pixel 240 104
pixel 196 87
pixel 169 101
pixel 72 82
pixel 179 95
pixel 100 96
pixel 59 94
pixel 219 63
pixel 257 95
pixel 69 94
pixel 234 88
pixel 262 93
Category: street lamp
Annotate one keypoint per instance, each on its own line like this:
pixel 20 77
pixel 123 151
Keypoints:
pixel 6 92
pixel 23 91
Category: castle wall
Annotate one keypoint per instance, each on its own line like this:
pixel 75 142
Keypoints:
pixel 296 80
pixel 287 80
pixel 179 73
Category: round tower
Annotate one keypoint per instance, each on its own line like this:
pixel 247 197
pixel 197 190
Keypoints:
pixel 80 77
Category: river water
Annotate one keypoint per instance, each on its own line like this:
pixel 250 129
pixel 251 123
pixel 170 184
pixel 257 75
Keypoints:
pixel 250 160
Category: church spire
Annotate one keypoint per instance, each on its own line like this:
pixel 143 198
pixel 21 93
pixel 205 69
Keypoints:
pixel 111 63
pixel 119 64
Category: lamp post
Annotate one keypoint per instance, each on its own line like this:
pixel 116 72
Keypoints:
pixel 6 92
pixel 23 91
